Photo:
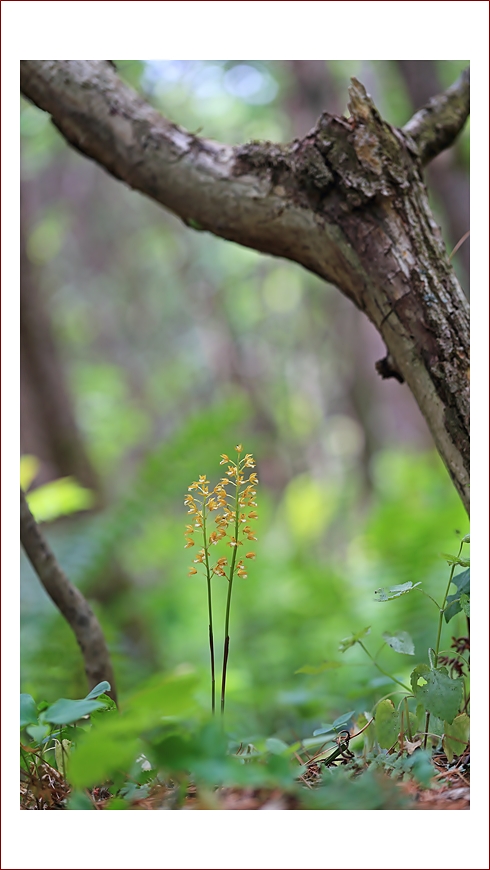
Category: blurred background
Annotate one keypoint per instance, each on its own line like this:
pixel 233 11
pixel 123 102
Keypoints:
pixel 148 349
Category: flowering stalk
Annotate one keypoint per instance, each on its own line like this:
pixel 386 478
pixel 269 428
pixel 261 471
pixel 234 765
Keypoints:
pixel 234 516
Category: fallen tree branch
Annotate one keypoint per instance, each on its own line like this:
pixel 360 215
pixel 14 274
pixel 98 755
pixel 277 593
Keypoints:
pixel 348 202
pixel 69 600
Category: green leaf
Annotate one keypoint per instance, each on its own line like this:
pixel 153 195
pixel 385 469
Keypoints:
pixel 420 766
pixel 400 642
pixel 387 593
pixel 465 604
pixel 462 583
pixel 65 712
pixel 455 560
pixel 325 729
pixel 347 642
pixel 344 721
pixel 28 710
pixel 456 736
pixel 387 724
pixel 59 498
pixel 276 746
pixel 317 669
pixel 441 695
pixel 37 732
pixel 113 743
pixel 99 689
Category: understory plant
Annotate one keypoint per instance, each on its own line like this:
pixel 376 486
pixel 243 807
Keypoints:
pixel 162 750
pixel 232 501
pixel 435 705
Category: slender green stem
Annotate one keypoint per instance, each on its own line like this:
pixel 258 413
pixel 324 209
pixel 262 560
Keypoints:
pixel 230 587
pixel 210 609
pixel 409 727
pixel 380 669
pixel 439 632
pixel 442 609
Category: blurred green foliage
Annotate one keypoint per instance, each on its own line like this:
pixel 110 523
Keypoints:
pixel 178 345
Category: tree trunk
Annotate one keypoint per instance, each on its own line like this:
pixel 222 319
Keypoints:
pixel 347 201
pixel 48 425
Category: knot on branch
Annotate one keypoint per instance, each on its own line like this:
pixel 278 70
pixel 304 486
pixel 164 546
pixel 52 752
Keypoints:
pixel 386 368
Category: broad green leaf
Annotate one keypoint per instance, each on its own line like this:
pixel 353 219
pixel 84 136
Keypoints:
pixel 65 712
pixel 312 742
pixel 29 467
pixel 462 582
pixel 59 498
pixel 317 669
pixel 456 736
pixel 389 592
pixel 37 732
pixel 465 604
pixel 387 723
pixel 175 753
pixel 400 642
pixel 28 710
pixel 344 721
pixel 325 729
pixel 440 694
pixel 161 697
pixel 347 642
pixel 102 752
pixel 113 743
pixel 99 689
pixel 369 732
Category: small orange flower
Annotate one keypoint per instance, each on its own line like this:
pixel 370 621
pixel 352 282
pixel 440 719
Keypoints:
pixel 192 571
pixel 239 448
pixel 250 555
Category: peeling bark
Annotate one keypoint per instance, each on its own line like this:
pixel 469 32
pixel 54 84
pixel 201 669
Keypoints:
pixel 348 202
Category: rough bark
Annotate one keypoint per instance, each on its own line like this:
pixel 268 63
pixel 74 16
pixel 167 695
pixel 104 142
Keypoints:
pixel 446 177
pixel 347 201
pixel 69 600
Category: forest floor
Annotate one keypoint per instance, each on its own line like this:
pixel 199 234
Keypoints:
pixel 449 790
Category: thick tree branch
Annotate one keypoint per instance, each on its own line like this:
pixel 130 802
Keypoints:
pixel 348 202
pixel 436 125
pixel 68 599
